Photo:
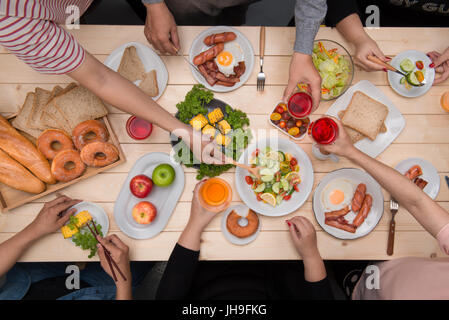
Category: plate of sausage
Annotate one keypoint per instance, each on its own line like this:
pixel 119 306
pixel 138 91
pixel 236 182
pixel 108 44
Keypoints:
pixel 348 203
pixel 422 173
pixel 224 58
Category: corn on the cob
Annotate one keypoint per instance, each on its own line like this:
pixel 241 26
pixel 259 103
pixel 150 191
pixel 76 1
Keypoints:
pixel 224 126
pixel 83 218
pixel 209 130
pixel 198 122
pixel 215 115
pixel 69 230
pixel 222 139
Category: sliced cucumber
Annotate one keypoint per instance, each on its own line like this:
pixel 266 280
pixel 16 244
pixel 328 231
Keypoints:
pixel 285 184
pixel 281 156
pixel 260 187
pixel 411 78
pixel 276 187
pixel 402 81
pixel 267 172
pixel 279 199
pixel 407 65
pixel 267 178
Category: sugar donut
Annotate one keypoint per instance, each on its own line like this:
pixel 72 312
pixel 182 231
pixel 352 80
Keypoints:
pixel 47 139
pixel 89 131
pixel 99 154
pixel 67 165
pixel 232 224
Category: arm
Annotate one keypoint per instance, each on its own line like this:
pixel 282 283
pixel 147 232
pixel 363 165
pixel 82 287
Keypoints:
pixel 308 16
pixel 428 213
pixel 47 221
pixel 180 271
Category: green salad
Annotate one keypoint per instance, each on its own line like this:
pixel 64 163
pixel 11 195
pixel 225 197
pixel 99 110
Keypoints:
pixel 239 137
pixel 333 68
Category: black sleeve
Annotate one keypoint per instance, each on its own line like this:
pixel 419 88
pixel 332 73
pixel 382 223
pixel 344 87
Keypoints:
pixel 178 275
pixel 337 10
pixel 320 290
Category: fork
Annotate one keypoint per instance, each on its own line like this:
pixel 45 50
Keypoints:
pixel 261 75
pixel 394 207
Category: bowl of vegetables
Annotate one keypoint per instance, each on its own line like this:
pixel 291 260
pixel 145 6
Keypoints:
pixel 335 66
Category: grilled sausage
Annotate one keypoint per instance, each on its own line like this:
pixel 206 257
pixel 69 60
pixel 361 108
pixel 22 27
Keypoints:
pixel 413 172
pixel 337 213
pixel 343 226
pixel 210 80
pixel 359 196
pixel 421 183
pixel 364 211
pixel 209 54
pixel 219 38
pixel 222 77
pixel 225 84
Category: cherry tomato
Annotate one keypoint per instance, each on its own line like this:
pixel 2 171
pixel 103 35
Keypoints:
pixel 296 187
pixel 298 123
pixel 287 197
pixel 282 124
pixel 279 109
pixel 293 161
pixel 249 180
pixel 258 197
pixel 275 116
pixel 255 153
pixel 419 65
pixel 286 116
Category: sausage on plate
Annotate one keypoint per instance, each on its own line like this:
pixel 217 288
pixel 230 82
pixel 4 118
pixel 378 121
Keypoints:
pixel 209 54
pixel 219 38
pixel 364 211
pixel 343 226
pixel 413 172
pixel 337 213
pixel 359 196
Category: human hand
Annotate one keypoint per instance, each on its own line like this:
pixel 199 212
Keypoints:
pixel 160 28
pixel 304 237
pixel 120 253
pixel 53 215
pixel 441 64
pixel 342 146
pixel 302 70
pixel 199 217
pixel 365 48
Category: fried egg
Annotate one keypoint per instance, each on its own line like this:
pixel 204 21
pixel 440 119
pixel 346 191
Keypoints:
pixel 230 57
pixel 337 194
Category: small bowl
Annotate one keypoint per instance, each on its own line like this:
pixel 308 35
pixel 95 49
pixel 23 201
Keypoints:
pixel 138 129
pixel 274 124
pixel 330 44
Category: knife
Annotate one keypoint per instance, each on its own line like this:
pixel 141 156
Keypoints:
pixel 185 59
pixel 391 68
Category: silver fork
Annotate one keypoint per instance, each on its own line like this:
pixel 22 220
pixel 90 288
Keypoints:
pixel 261 75
pixel 394 207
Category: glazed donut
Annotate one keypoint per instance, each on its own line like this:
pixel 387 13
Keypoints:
pixel 67 165
pixel 232 224
pixel 89 131
pixel 52 141
pixel 99 154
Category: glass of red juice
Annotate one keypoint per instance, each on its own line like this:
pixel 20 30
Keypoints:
pixel 324 130
pixel 138 128
pixel 300 105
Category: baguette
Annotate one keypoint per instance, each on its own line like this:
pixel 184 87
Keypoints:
pixel 16 176
pixel 23 151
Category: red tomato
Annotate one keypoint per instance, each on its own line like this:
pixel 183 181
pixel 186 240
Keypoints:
pixel 286 198
pixel 419 65
pixel 282 124
pixel 296 187
pixel 249 180
pixel 279 109
pixel 255 153
pixel 258 197
pixel 293 161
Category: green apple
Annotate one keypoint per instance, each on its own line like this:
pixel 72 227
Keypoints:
pixel 163 175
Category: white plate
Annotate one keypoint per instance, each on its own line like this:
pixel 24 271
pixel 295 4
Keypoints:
pixel 298 198
pixel 394 122
pixel 429 173
pixel 394 78
pixel 150 61
pixel 241 210
pixel 198 46
pixel 98 215
pixel 372 187
pixel 164 199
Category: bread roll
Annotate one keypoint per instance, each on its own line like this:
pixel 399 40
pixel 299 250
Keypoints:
pixel 23 151
pixel 15 175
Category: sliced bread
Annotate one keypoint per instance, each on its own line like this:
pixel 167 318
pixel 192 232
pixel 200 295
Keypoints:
pixel 40 101
pixel 149 84
pixel 21 120
pixel 131 67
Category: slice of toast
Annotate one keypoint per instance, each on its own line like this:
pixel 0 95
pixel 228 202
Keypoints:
pixel 78 105
pixel 40 101
pixel 21 120
pixel 52 115
pixel 365 115
pixel 131 67
pixel 149 84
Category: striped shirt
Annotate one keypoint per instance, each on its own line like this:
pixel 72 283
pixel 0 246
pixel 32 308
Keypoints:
pixel 30 29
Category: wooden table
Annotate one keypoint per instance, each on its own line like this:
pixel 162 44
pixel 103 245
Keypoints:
pixel 426 135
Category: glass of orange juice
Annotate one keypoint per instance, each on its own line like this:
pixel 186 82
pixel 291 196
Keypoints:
pixel 445 101
pixel 215 195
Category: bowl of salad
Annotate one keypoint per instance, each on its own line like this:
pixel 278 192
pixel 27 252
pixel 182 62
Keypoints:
pixel 335 66
pixel 286 177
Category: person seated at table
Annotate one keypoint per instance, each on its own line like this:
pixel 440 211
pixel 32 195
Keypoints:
pixel 30 30
pixel 345 16
pixel 186 277
pixel 404 278
pixel 161 32
pixel 22 278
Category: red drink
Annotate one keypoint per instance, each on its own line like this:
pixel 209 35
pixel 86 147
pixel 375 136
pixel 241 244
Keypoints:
pixel 138 129
pixel 324 130
pixel 300 105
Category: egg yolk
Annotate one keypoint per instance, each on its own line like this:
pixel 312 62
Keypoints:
pixel 224 58
pixel 336 196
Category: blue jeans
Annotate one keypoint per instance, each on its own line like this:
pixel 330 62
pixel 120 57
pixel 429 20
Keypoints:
pixel 23 275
